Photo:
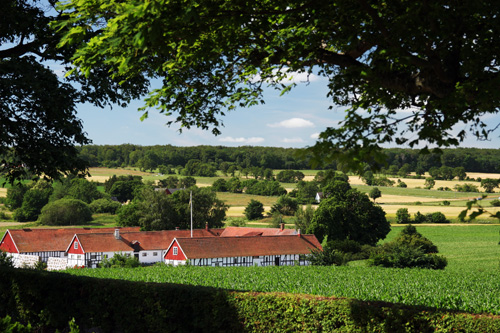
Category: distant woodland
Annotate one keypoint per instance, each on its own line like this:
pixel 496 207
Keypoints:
pixel 168 159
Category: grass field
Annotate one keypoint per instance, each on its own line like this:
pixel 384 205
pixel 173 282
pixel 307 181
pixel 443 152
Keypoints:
pixel 469 283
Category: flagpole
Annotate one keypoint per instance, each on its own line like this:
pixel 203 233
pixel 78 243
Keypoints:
pixel 191 204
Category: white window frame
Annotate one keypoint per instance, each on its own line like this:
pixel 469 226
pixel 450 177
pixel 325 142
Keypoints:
pixel 175 251
pixel 75 246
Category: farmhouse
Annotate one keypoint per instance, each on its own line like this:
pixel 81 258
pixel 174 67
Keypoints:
pixel 87 247
pixel 242 251
pixel 147 246
pixel 46 243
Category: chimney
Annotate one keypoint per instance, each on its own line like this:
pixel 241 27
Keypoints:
pixel 206 226
pixel 176 228
pixel 282 226
pixel 298 232
pixel 117 234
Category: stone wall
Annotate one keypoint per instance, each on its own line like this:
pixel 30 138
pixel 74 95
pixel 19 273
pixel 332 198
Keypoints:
pixel 57 264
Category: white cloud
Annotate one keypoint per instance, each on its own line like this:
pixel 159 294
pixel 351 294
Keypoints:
pixel 252 140
pixel 291 77
pixel 292 140
pixel 315 136
pixel 293 123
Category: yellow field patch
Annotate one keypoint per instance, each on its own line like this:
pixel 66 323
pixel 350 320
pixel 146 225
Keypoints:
pixel 448 211
pixel 388 198
pixel 3 192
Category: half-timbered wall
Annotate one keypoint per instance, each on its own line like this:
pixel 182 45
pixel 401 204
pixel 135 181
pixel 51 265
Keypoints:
pixel 275 260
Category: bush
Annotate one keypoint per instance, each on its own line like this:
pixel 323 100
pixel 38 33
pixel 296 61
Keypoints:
pixel 328 257
pixel 220 185
pixel 402 216
pixel 466 188
pixel 446 203
pixel 436 217
pixel 254 210
pixel 104 206
pixel 120 260
pixel 410 236
pixel 285 205
pixel 409 249
pixel 236 222
pixel 419 218
pixel 5 259
pixel 404 256
pixel 495 203
pixel 65 212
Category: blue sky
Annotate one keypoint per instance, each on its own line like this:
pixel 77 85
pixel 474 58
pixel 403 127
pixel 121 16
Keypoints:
pixel 291 120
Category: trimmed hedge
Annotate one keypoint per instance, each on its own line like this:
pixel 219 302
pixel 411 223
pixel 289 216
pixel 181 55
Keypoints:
pixel 48 301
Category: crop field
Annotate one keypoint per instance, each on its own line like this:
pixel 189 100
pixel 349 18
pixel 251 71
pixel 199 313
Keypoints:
pixel 470 282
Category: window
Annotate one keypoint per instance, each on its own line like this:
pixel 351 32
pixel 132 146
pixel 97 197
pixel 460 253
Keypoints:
pixel 155 254
pixel 76 246
pixel 144 254
pixel 175 250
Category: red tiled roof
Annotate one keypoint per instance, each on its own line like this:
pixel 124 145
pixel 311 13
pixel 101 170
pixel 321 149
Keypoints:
pixel 221 247
pixel 243 231
pixel 147 240
pixel 44 240
pixel 105 242
pixel 155 240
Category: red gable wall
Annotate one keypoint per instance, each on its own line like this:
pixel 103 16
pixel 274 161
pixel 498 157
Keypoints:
pixel 7 244
pixel 170 254
pixel 72 249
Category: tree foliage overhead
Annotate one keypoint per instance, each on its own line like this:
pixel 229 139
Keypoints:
pixel 438 61
pixel 38 124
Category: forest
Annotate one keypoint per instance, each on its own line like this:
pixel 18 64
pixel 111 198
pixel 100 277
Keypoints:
pixel 227 159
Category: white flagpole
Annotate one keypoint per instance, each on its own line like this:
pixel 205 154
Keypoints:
pixel 191 204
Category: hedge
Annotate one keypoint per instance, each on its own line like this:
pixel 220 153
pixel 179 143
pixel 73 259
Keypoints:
pixel 48 301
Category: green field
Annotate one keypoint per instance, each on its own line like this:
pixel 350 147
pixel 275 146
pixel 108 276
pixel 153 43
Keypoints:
pixel 470 282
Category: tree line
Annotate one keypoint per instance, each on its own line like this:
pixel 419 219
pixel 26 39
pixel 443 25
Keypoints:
pixel 206 160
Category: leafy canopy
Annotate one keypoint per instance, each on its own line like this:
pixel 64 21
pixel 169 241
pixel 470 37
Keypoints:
pixel 408 72
pixel 39 128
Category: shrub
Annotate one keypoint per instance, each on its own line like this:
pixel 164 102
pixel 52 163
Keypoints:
pixel 328 257
pixel 236 222
pixel 220 185
pixel 285 205
pixel 5 259
pixel 104 206
pixel 402 216
pixel 446 203
pixel 409 249
pixel 495 203
pixel 410 236
pixel 404 256
pixel 120 260
pixel 419 218
pixel 65 212
pixel 345 245
pixel 436 217
pixel 466 188
pixel 254 210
